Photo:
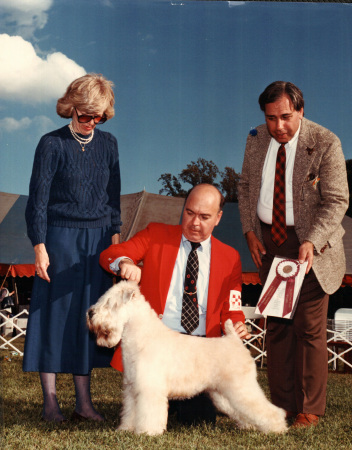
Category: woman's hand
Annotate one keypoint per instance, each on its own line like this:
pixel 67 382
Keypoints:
pixel 115 239
pixel 41 261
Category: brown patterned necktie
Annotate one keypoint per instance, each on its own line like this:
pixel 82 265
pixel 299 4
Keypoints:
pixel 190 312
pixel 278 228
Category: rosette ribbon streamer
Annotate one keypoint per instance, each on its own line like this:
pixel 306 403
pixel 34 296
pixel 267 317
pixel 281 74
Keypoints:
pixel 286 271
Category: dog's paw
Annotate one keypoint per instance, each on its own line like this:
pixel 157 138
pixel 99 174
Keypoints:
pixel 126 427
pixel 245 426
pixel 151 432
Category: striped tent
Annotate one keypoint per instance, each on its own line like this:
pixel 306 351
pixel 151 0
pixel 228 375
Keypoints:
pixel 137 210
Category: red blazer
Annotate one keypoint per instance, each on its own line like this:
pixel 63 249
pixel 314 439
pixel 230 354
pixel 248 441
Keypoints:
pixel 157 246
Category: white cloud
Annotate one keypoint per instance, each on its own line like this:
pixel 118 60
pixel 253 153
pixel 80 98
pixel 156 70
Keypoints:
pixel 27 78
pixel 107 3
pixel 40 124
pixel 23 17
pixel 232 3
pixel 44 124
pixel 9 124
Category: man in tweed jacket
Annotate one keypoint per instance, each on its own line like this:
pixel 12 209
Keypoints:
pixel 316 201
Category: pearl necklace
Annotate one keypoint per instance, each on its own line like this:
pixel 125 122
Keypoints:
pixel 82 141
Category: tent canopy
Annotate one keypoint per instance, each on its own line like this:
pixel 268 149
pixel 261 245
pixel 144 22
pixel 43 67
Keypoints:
pixel 137 210
pixel 15 248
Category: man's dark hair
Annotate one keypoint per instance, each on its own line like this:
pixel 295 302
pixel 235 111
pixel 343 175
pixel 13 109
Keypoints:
pixel 277 89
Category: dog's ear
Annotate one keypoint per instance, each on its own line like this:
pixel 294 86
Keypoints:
pixel 129 290
pixel 109 303
pixel 129 295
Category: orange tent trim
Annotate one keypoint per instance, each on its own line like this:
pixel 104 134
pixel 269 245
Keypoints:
pixel 17 270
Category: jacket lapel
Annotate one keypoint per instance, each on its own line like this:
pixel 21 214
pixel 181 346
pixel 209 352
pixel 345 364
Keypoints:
pixel 303 161
pixel 167 264
pixel 214 287
pixel 261 149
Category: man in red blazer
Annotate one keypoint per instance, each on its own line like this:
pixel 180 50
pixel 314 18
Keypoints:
pixel 164 249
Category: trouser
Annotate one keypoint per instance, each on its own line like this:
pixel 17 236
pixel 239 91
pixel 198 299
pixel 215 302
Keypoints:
pixel 296 349
pixel 194 411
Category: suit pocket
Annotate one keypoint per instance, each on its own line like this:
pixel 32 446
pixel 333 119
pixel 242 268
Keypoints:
pixel 311 187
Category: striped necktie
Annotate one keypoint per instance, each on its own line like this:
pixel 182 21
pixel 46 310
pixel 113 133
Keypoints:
pixel 278 228
pixel 190 312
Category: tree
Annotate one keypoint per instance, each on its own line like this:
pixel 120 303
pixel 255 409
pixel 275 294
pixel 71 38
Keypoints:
pixel 229 183
pixel 201 171
pixel 172 186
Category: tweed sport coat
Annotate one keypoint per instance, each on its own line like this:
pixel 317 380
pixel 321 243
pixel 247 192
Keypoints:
pixel 320 195
pixel 157 246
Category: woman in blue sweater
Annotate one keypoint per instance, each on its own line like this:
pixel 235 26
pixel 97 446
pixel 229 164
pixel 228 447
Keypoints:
pixel 73 214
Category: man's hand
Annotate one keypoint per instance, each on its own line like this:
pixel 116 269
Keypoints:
pixel 129 270
pixel 41 261
pixel 255 247
pixel 241 330
pixel 306 253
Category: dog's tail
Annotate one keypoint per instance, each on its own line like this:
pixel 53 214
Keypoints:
pixel 229 330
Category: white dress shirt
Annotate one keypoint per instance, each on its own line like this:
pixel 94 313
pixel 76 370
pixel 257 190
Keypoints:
pixel 173 307
pixel 265 200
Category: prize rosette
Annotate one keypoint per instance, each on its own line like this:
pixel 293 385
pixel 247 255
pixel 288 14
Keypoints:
pixel 286 271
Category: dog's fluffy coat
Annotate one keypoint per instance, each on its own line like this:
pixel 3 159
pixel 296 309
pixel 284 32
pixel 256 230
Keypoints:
pixel 161 364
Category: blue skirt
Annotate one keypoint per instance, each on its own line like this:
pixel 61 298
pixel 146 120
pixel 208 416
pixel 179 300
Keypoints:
pixel 58 339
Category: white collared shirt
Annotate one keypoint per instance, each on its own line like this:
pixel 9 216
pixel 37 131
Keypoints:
pixel 265 200
pixel 173 307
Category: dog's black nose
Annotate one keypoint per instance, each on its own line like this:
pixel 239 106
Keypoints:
pixel 90 313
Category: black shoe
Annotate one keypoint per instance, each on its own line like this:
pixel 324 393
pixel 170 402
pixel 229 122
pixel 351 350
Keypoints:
pixel 196 410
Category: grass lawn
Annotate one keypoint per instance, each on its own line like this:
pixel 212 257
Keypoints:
pixel 20 413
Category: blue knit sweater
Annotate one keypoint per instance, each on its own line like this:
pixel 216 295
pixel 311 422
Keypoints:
pixel 72 188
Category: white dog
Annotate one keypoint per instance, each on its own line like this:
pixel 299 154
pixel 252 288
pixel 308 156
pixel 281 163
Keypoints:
pixel 161 364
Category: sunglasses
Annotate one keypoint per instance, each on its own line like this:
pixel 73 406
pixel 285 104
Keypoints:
pixel 85 118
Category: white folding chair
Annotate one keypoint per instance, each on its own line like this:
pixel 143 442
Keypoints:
pixel 256 324
pixel 18 322
pixel 339 336
pixel 6 324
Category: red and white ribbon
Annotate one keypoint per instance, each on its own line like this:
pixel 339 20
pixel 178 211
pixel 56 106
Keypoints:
pixel 286 271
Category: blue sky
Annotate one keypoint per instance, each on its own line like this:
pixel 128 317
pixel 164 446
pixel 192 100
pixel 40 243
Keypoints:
pixel 187 76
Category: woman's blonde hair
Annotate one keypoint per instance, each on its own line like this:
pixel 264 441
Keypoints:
pixel 91 94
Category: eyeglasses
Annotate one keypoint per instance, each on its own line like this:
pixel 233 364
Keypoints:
pixel 85 118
